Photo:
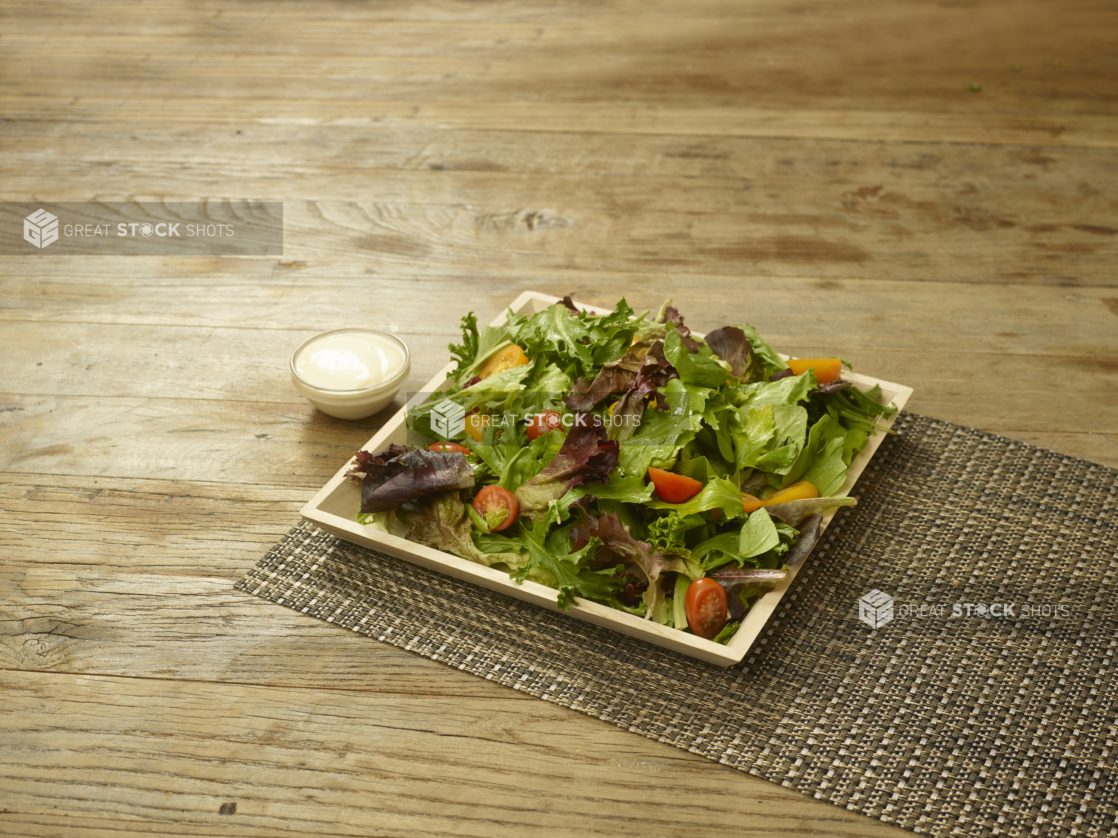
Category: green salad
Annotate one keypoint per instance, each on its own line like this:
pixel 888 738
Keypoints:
pixel 621 459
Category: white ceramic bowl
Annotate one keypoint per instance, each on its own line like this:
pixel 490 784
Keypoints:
pixel 359 403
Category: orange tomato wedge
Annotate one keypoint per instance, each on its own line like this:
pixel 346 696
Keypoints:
pixel 674 488
pixel 506 359
pixel 751 503
pixel 826 369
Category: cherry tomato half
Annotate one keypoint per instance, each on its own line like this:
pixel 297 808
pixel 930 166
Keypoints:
pixel 544 423
pixel 449 446
pixel 506 359
pixel 707 607
pixel 674 488
pixel 498 507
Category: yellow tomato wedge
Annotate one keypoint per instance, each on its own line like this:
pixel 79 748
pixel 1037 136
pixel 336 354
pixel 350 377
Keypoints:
pixel 826 369
pixel 801 490
pixel 506 359
pixel 475 425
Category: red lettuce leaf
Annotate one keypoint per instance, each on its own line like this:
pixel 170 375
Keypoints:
pixel 748 581
pixel 809 535
pixel 586 394
pixel 655 371
pixel 615 376
pixel 833 387
pixel 586 457
pixel 671 315
pixel 641 564
pixel 731 345
pixel 368 463
pixel 794 511
pixel 398 475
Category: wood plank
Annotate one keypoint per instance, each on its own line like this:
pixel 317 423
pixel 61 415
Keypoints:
pixel 527 118
pixel 169 754
pixel 991 214
pixel 282 445
pixel 171 18
pixel 204 530
pixel 550 230
pixel 738 54
pixel 313 161
pixel 205 307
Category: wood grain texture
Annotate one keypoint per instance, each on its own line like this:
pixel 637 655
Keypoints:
pixel 826 171
pixel 407 765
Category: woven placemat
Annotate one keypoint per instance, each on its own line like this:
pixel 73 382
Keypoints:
pixel 986 706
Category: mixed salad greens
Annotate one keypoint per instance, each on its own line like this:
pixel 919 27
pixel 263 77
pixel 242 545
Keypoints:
pixel 621 459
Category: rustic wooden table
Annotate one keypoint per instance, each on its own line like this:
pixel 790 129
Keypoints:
pixel 927 189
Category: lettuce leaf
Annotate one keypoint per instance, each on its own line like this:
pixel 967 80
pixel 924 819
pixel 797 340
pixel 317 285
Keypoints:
pixel 397 475
pixel 719 493
pixel 755 579
pixel 731 345
pixel 586 456
pixel 550 561
pixel 625 489
pixel 639 559
pixel 701 468
pixel 770 361
pixel 728 631
pixel 719 550
pixel 564 337
pixel 828 469
pixel 585 395
pixel 700 368
pixel 758 535
pixel 790 423
pixel 662 434
pixel 526 461
pixel 670 316
pixel 809 531
pixel 786 391
pixel 440 521
pixel 794 511
pixel 752 433
pixel 490 340
pixel 653 373
pixel 667 533
pixel 821 458
pixel 465 353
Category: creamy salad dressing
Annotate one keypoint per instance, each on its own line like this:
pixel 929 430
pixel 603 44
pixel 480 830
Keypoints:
pixel 349 360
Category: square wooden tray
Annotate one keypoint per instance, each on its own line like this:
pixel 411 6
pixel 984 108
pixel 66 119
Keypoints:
pixel 335 506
